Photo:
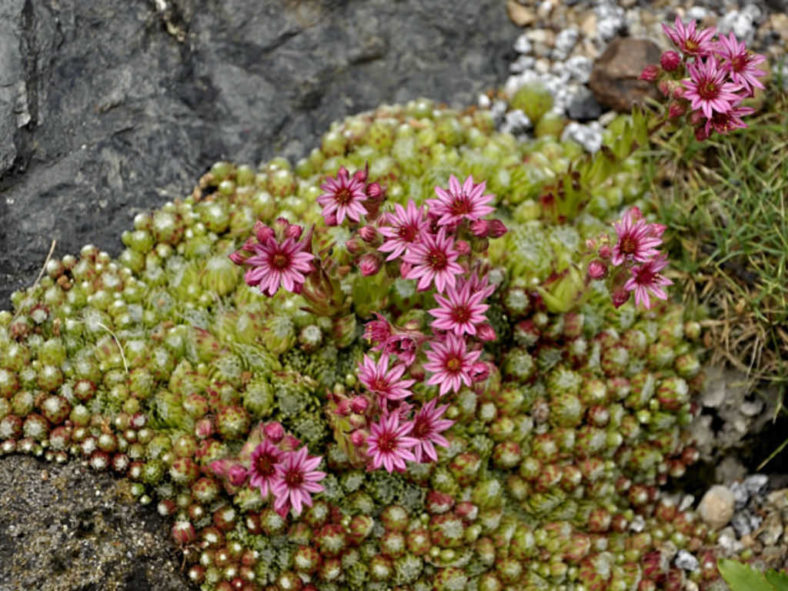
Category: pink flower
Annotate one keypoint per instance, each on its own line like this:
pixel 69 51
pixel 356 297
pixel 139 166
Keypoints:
pixel 388 444
pixel 434 258
pixel 275 264
pixel 296 478
pixel 427 428
pixel 740 63
pixel 402 229
pixel 707 90
pixel 460 310
pixel 262 470
pixel 343 197
pixel 689 40
pixel 450 362
pixel 646 278
pixel 636 239
pixel 460 202
pixel 379 379
pixel 725 122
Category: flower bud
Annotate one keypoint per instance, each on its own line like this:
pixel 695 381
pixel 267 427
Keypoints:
pixel 274 431
pixel 497 228
pixel 620 297
pixel 597 269
pixel 702 133
pixel 462 247
pixel 359 404
pixel 605 251
pixel 670 60
pixel 370 264
pixel 237 475
pixel 358 438
pixel 353 246
pixel 369 235
pixel 486 332
pixel 676 109
pixel 262 232
pixel 480 228
pixel 650 73
pixel 343 408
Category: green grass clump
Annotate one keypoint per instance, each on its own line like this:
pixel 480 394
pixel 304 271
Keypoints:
pixel 724 202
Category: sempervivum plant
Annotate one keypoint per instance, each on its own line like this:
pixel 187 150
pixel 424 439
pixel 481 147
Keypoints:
pixel 396 364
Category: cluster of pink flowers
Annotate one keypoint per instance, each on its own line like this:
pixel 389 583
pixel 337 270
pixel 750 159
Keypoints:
pixel 272 462
pixel 434 245
pixel 635 258
pixel 711 77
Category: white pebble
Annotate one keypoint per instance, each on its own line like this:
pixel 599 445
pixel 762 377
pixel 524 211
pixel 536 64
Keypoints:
pixel 686 561
pixel 716 506
pixel 522 45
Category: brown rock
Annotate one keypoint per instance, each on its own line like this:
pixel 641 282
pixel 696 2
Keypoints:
pixel 614 79
pixel 520 15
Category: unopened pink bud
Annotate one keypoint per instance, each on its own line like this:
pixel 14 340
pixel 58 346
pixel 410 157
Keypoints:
pixel 274 431
pixel 591 244
pixel 701 133
pixel 597 269
pixel 480 371
pixel 605 251
pixel 330 219
pixel 374 190
pixel 369 234
pixel 343 408
pixel 237 475
pixel 361 175
pixel 462 247
pixel 696 118
pixel 220 467
pixel 497 229
pixel 670 60
pixel 486 332
pixel 262 232
pixel 353 246
pixel 676 109
pixel 620 297
pixel 665 87
pixel 358 438
pixel 480 228
pixel 294 231
pixel 359 404
pixel 650 73
pixel 369 264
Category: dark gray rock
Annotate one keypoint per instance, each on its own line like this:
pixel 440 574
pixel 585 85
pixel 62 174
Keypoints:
pixel 112 107
pixel 583 106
